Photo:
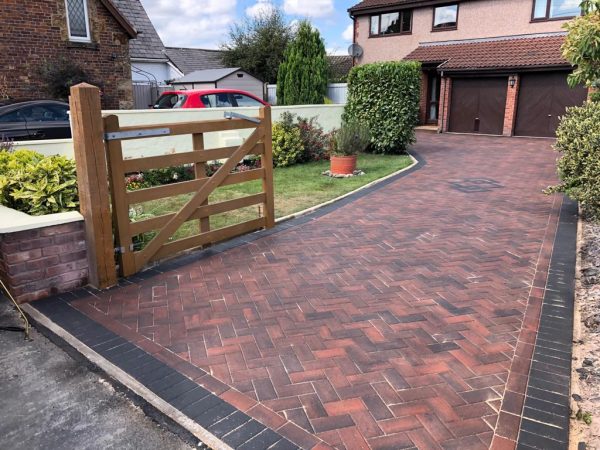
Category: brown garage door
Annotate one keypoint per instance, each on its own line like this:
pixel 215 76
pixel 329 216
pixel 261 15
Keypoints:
pixel 543 97
pixel 477 105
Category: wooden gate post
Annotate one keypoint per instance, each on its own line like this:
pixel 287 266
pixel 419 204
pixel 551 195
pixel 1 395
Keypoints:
pixel 92 180
pixel 266 162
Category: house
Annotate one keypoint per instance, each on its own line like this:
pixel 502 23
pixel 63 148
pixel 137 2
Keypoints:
pixel 37 34
pixel 149 61
pixel 489 66
pixel 228 78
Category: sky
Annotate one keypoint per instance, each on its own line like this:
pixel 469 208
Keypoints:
pixel 204 23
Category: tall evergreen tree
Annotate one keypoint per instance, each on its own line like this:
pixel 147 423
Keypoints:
pixel 257 44
pixel 303 74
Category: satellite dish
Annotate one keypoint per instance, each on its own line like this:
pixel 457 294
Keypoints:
pixel 355 50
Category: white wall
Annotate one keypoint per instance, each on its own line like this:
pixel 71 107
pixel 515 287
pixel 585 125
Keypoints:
pixel 159 71
pixel 328 116
pixel 336 92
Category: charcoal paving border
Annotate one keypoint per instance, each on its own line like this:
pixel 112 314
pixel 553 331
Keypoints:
pixel 545 419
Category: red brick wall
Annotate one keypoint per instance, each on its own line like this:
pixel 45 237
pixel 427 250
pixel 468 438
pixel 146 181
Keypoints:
pixel 423 100
pixel 510 110
pixel 34 33
pixel 444 113
pixel 45 261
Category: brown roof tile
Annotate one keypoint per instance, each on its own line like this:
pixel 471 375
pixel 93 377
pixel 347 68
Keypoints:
pixel 494 53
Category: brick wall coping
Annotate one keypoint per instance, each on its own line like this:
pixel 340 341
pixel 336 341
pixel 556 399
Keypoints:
pixel 12 221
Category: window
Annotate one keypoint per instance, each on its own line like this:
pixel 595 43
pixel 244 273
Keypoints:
pixel 399 22
pixel 45 113
pixel 555 9
pixel 244 100
pixel 78 21
pixel 170 101
pixel 445 17
pixel 14 116
pixel 216 101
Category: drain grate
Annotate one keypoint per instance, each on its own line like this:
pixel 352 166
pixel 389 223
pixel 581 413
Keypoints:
pixel 470 185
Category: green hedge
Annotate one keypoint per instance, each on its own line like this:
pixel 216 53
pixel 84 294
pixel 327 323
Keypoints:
pixel 385 97
pixel 578 141
pixel 36 184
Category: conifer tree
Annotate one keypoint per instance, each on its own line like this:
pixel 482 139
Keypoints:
pixel 303 74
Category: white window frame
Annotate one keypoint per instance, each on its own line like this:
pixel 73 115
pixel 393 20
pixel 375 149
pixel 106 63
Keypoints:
pixel 88 37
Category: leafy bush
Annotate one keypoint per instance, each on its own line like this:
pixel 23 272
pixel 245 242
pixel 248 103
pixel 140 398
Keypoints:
pixel 287 145
pixel 578 139
pixel 314 139
pixel 385 97
pixel 352 138
pixel 59 75
pixel 36 184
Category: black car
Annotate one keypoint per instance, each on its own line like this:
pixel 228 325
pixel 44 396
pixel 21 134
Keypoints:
pixel 36 119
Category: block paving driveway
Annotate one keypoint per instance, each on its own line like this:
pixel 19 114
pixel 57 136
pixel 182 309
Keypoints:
pixel 405 318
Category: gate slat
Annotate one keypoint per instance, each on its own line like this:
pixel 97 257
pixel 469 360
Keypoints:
pixel 177 128
pixel 185 187
pixel 142 257
pixel 179 159
pixel 196 241
pixel 203 211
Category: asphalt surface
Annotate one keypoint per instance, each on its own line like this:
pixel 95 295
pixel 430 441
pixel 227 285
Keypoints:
pixel 50 401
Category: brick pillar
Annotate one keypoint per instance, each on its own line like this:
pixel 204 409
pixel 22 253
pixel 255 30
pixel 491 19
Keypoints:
pixel 510 110
pixel 423 100
pixel 444 107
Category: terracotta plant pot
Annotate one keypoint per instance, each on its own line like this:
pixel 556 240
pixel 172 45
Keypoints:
pixel 343 165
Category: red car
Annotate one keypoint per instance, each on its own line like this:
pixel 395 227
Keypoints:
pixel 207 98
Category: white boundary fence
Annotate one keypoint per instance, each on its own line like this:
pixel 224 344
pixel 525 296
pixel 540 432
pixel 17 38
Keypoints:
pixel 336 92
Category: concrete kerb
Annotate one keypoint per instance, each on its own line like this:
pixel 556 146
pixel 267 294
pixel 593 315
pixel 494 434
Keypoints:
pixel 341 197
pixel 155 407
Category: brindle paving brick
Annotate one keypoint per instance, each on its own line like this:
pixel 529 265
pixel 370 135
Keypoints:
pixel 409 300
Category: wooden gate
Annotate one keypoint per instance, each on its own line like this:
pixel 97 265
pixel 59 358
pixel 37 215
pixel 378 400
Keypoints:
pixel 197 208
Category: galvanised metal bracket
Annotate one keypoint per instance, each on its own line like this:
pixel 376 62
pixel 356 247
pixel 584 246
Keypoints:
pixel 122 250
pixel 231 115
pixel 136 134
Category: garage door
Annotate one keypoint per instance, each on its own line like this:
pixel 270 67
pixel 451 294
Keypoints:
pixel 477 105
pixel 543 97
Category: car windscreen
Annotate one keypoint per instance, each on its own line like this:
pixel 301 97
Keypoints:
pixel 170 101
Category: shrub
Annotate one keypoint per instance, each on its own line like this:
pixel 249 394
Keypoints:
pixel 351 139
pixel 314 140
pixel 59 75
pixel 385 97
pixel 36 184
pixel 578 140
pixel 287 145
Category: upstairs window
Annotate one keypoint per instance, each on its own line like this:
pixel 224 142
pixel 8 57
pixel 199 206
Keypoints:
pixel 78 21
pixel 555 9
pixel 445 17
pixel 399 22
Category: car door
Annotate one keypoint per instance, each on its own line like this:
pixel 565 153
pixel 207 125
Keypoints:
pixel 13 126
pixel 218 100
pixel 47 121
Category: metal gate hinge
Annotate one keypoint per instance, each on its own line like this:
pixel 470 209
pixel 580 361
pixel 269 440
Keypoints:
pixel 112 136
pixel 231 115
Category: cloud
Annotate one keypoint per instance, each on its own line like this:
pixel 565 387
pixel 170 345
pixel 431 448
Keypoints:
pixel 308 8
pixel 185 24
pixel 261 7
pixel 348 33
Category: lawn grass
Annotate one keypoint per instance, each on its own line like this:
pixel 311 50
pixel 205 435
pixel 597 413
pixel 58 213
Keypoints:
pixel 296 188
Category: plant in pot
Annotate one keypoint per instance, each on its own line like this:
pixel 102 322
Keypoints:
pixel 346 143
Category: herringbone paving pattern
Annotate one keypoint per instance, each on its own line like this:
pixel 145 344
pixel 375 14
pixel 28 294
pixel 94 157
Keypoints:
pixel 391 322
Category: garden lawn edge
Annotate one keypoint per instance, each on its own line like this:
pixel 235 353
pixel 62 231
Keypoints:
pixel 347 194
